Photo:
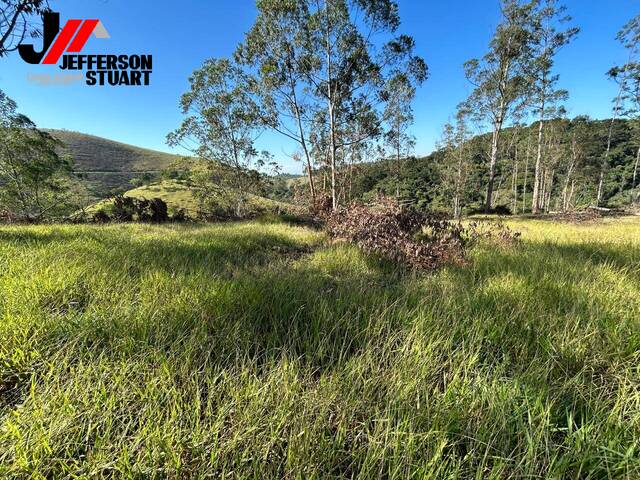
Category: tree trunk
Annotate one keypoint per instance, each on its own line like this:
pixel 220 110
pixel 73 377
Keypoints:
pixel 398 146
pixel 492 166
pixel 570 199
pixel 456 200
pixel 635 169
pixel 334 197
pixel 535 201
pixel 565 204
pixel 350 199
pixel 526 173
pixel 605 160
pixel 549 191
pixel 332 128
pixel 303 142
pixel 497 190
pixel 515 181
pixel 574 156
pixel 541 193
pixel 600 185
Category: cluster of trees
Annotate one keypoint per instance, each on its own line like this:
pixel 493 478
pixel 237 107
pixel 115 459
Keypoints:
pixel 36 182
pixel 569 171
pixel 627 102
pixel 337 78
pixel 333 76
pixel 455 179
pixel 515 82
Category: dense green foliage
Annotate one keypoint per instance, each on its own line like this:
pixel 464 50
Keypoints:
pixel 251 351
pixel 423 182
pixel 35 181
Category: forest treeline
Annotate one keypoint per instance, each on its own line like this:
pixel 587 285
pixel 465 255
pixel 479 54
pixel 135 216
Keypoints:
pixel 574 150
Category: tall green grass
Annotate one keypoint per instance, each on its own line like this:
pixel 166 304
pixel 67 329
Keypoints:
pixel 253 350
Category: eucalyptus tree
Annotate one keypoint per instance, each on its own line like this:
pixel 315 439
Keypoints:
pixel 500 77
pixel 627 103
pixel 577 139
pixel 223 120
pixel 527 151
pixel 17 22
pixel 278 47
pixel 361 126
pixel 549 36
pixel 352 69
pixel 456 160
pixel 627 77
pixel 399 93
pixel 323 68
pixel 555 151
pixel 515 152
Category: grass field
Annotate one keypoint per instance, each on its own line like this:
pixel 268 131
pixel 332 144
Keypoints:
pixel 254 350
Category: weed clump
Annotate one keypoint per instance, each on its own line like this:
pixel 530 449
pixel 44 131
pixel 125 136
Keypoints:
pixel 496 232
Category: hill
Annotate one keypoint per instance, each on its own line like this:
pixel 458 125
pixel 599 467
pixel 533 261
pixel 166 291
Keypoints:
pixel 178 196
pixel 109 166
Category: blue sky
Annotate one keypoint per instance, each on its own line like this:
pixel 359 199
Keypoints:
pixel 181 37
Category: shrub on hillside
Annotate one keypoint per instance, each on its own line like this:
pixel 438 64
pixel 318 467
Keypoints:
pixel 101 217
pixel 497 210
pixel 416 239
pixel 123 208
pixel 127 209
pixel 180 215
pixel 154 210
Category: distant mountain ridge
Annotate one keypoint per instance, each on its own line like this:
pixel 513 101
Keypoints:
pixel 109 166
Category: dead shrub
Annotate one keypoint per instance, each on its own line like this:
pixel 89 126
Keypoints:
pixel 418 240
pixel 322 207
pixel 101 217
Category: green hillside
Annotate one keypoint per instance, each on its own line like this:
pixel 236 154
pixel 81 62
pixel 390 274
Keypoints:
pixel 109 166
pixel 178 195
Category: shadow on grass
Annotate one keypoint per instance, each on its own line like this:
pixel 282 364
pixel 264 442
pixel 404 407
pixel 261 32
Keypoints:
pixel 39 236
pixel 253 281
pixel 261 295
pixel 256 295
pixel 548 289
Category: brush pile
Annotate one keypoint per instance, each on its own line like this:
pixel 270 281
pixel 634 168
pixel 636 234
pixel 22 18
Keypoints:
pixel 419 240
